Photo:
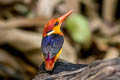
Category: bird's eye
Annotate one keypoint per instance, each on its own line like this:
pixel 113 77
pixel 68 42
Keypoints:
pixel 56 23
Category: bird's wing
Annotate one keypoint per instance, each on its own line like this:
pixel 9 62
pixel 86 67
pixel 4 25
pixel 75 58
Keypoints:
pixel 51 45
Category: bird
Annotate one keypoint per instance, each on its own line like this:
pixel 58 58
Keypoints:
pixel 52 41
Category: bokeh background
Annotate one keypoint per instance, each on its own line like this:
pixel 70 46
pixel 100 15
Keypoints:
pixel 92 32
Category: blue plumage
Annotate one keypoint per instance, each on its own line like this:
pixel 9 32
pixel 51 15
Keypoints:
pixel 51 45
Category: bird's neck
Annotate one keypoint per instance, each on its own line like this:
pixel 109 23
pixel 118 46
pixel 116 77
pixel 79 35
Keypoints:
pixel 57 30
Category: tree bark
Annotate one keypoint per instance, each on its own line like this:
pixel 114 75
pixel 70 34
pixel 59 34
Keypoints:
pixel 98 70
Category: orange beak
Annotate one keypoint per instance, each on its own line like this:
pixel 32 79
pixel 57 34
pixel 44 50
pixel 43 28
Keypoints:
pixel 62 18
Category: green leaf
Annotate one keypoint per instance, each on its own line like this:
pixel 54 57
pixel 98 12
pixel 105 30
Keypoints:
pixel 78 27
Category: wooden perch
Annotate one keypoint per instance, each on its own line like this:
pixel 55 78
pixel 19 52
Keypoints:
pixel 98 70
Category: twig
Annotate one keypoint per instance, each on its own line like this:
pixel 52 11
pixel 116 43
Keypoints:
pixel 45 8
pixel 20 39
pixel 109 8
pixel 21 22
pixel 8 2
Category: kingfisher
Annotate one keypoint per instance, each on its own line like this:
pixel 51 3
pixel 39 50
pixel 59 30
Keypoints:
pixel 52 41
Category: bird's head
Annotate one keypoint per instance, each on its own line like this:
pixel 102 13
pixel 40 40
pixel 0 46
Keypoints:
pixel 53 26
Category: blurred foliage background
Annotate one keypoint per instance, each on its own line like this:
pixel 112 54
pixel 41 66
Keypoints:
pixel 92 32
